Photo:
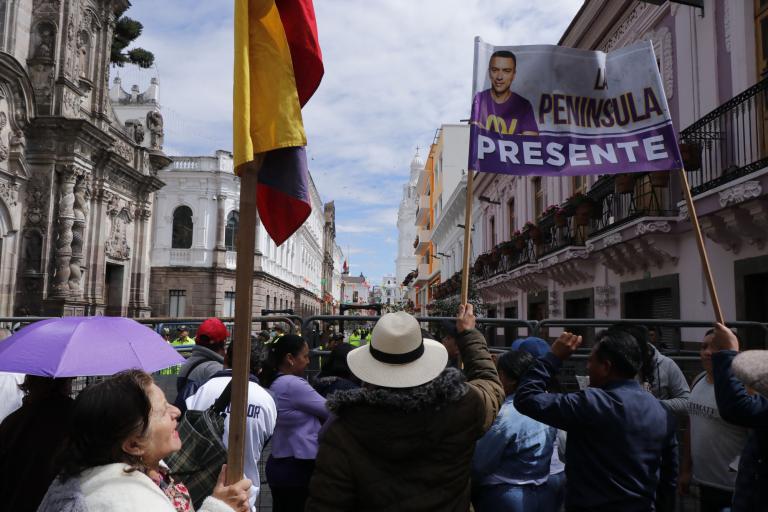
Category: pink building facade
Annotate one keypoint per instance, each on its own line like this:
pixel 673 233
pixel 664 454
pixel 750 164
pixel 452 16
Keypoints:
pixel 625 249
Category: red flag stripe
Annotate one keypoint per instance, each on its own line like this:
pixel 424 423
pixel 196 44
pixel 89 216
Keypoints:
pixel 298 17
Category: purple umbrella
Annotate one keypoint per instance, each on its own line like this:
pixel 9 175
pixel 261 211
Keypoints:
pixel 85 346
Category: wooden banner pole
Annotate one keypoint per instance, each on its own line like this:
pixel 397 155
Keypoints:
pixel 702 248
pixel 241 358
pixel 467 239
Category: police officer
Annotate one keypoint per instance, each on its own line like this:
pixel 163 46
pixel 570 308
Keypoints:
pixel 182 338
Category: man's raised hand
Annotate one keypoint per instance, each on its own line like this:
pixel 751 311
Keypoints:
pixel 466 318
pixel 724 339
pixel 565 345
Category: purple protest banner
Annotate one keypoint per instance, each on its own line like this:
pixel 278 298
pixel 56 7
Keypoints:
pixel 553 111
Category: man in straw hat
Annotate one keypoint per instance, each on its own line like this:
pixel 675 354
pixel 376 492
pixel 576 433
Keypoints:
pixel 741 392
pixel 405 440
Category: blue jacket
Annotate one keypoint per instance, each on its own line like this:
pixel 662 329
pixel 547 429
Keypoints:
pixel 515 448
pixel 621 440
pixel 738 407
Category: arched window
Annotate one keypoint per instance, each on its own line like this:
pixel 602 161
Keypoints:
pixel 181 237
pixel 230 233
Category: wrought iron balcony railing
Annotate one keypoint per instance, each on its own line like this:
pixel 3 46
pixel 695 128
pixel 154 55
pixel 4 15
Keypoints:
pixel 613 209
pixel 729 142
pixel 556 236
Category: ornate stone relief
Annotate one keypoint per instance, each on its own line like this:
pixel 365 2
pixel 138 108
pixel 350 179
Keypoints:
pixel 3 129
pixel 123 150
pixel 46 6
pixel 653 227
pixel 121 213
pixel 71 103
pixel 37 203
pixel 41 76
pixel 9 192
pixel 625 26
pixel 612 240
pixel 740 193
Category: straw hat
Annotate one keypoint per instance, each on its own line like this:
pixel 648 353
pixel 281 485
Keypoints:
pixel 751 367
pixel 398 356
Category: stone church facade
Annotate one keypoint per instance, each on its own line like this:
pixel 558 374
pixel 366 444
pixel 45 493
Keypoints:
pixel 76 184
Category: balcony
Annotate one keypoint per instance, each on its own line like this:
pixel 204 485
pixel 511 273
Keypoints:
pixel 504 258
pixel 729 142
pixel 423 239
pixel 180 257
pixel 558 233
pixel 422 214
pixel 613 209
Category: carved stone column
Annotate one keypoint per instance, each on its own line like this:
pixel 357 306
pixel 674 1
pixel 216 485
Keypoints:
pixel 221 222
pixel 220 250
pixel 82 193
pixel 64 235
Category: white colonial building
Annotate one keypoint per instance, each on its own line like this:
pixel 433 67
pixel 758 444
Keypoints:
pixel 355 289
pixel 406 216
pixel 194 251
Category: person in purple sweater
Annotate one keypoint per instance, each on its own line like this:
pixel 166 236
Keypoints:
pixel 300 414
pixel 499 109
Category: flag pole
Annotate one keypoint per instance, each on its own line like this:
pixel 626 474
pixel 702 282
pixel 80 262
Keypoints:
pixel 702 248
pixel 241 357
pixel 467 239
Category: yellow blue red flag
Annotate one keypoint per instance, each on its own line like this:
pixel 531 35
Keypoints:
pixel 278 66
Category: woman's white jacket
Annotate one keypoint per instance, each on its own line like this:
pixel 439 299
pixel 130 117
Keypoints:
pixel 110 489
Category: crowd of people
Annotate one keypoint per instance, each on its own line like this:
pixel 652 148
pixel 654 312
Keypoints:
pixel 403 422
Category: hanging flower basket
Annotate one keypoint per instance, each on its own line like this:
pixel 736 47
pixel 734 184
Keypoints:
pixel 659 179
pixel 624 183
pixel 561 219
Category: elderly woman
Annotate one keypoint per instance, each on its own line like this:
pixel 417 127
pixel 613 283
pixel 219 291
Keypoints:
pixel 121 430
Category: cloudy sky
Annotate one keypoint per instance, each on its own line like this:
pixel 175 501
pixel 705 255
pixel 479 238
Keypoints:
pixel 394 71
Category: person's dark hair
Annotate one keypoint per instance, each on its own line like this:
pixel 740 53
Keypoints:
pixel 105 414
pixel 335 365
pixel 448 328
pixel 514 363
pixel 503 54
pixel 35 387
pixel 256 355
pixel 620 347
pixel 640 333
pixel 278 349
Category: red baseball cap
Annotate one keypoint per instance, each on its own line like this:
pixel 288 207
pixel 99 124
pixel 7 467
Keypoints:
pixel 214 329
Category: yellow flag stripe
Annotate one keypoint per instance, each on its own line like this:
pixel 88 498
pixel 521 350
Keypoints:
pixel 266 112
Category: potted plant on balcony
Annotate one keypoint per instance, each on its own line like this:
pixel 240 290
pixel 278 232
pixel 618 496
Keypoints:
pixel 624 183
pixel 659 179
pixel 519 240
pixel 583 208
pixel 561 217
pixel 532 231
